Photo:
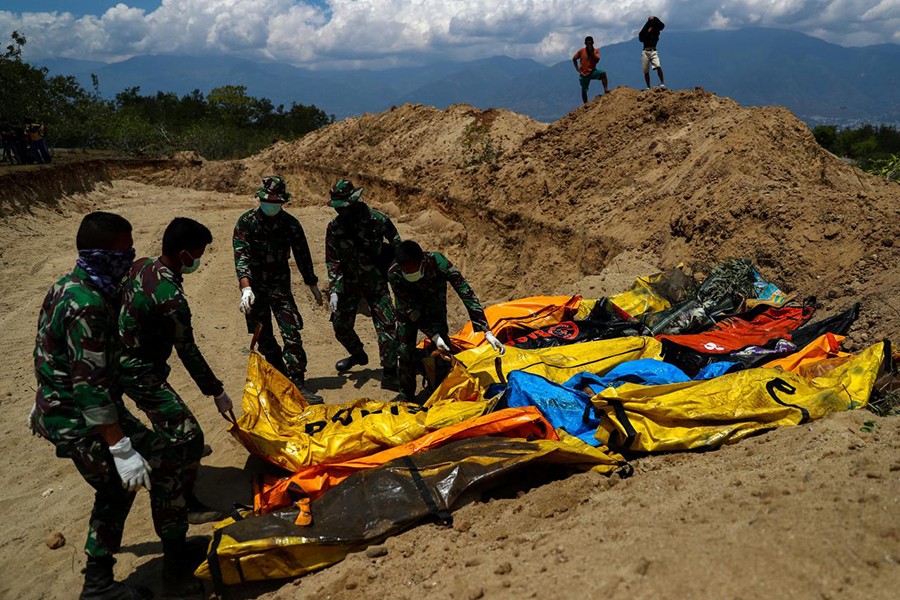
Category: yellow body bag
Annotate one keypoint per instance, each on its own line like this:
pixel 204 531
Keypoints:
pixel 701 414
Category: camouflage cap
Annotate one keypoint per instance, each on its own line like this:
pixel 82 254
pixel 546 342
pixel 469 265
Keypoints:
pixel 273 189
pixel 344 194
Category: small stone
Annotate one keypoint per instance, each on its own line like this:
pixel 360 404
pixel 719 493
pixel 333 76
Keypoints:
pixel 351 585
pixel 472 562
pixel 476 594
pixel 376 551
pixel 372 574
pixel 642 566
pixel 46 493
pixel 56 540
pixel 503 569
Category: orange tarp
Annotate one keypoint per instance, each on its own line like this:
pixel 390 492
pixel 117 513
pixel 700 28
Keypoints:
pixel 526 314
pixel 315 480
pixel 823 347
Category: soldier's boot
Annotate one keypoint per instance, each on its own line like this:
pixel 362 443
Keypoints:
pixel 180 559
pixel 390 380
pixel 199 513
pixel 99 583
pixel 345 364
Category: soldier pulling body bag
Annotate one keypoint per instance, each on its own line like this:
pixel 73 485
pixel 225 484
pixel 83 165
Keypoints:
pixel 76 366
pixel 156 319
pixel 419 280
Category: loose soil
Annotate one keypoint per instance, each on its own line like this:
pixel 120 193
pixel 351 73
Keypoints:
pixel 632 183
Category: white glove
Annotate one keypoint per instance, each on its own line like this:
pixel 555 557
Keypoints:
pixel 133 469
pixel 316 293
pixel 441 343
pixel 332 302
pixel 32 419
pixel 247 299
pixel 223 402
pixel 494 342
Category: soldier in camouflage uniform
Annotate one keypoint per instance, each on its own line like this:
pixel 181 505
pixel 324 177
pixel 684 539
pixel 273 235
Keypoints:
pixel 355 252
pixel 264 238
pixel 75 358
pixel 154 319
pixel 419 280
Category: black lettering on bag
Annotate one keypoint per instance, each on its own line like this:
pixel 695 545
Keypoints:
pixel 780 385
pixel 315 427
pixel 344 416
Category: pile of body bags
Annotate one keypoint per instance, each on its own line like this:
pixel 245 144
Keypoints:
pixel 584 384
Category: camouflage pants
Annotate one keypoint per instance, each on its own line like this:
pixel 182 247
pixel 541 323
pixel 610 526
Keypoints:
pixel 279 302
pixel 382 308
pixel 172 420
pixel 112 503
pixel 408 358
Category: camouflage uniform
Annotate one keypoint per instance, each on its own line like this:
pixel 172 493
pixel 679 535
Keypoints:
pixel 422 306
pixel 155 318
pixel 262 248
pixel 352 252
pixel 75 356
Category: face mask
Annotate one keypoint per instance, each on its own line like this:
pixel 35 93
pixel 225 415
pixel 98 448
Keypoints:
pixel 193 267
pixel 270 209
pixel 414 276
pixel 106 268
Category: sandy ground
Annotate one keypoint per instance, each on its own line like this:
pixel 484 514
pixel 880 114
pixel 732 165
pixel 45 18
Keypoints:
pixel 797 513
pixel 623 187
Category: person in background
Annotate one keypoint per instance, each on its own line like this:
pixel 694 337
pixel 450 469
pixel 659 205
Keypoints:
pixel 649 37
pixel 10 149
pixel 155 319
pixel 356 242
pixel 585 61
pixel 419 280
pixel 75 362
pixel 263 240
pixel 36 133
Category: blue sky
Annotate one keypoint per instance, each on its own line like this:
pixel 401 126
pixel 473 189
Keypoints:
pixel 76 7
pixel 381 33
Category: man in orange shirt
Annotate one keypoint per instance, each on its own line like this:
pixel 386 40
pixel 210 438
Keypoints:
pixel 587 70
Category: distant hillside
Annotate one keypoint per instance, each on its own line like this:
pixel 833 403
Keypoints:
pixel 818 81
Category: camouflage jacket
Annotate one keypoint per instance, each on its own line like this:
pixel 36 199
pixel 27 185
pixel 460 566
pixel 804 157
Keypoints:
pixel 424 302
pixel 263 245
pixel 352 249
pixel 155 317
pixel 75 356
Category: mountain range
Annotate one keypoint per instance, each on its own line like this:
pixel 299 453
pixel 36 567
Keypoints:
pixel 820 82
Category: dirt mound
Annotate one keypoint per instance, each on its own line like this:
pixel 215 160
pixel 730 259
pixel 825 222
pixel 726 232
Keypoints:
pixel 631 183
pixel 680 176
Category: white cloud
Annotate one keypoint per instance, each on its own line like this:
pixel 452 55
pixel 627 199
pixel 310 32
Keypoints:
pixel 381 32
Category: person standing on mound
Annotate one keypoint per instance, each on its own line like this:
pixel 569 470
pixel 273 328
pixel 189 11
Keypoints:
pixel 419 280
pixel 649 37
pixel 264 238
pixel 356 243
pixel 585 61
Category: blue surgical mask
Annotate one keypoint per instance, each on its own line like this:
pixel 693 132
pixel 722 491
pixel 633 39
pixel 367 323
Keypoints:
pixel 270 209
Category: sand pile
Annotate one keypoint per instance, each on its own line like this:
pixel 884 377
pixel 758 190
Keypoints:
pixel 678 176
pixel 632 183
